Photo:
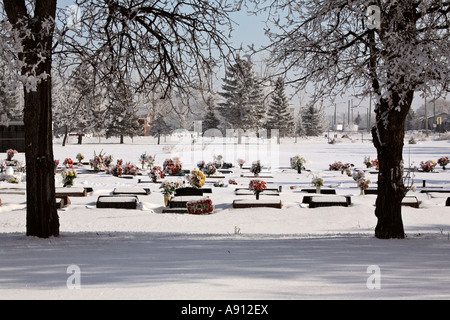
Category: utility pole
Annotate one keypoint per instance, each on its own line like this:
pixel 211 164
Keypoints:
pixel 369 113
pixel 426 116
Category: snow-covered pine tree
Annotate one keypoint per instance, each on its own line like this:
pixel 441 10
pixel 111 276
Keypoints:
pixel 210 121
pixel 159 127
pixel 243 98
pixel 122 120
pixel 255 111
pixel 10 110
pixel 278 116
pixel 299 128
pixel 88 103
pixel 230 108
pixel 313 121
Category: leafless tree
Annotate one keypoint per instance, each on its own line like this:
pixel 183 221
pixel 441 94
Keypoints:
pixel 391 49
pixel 159 44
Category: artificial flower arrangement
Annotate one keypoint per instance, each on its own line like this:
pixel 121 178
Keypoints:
pixel 108 160
pixel 10 154
pixel 203 206
pixel 68 163
pixel 168 188
pixel 443 162
pixel 339 166
pixel 197 179
pixel 172 167
pixel 145 159
pixel 367 162
pixel 317 181
pixel 14 180
pixel 210 169
pixel 98 162
pixel 201 164
pixel 297 163
pixel 117 170
pixel 363 184
pixel 219 184
pixel 155 173
pixel 256 167
pixel 376 164
pixel 257 186
pixel 361 181
pixel 130 169
pixel 218 161
pixel 56 163
pixel 428 166
pixel 21 166
pixel 151 161
pixel 69 175
pixel 240 162
pixel 80 158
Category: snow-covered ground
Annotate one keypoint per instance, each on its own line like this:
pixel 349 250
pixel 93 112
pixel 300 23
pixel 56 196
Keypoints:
pixel 289 253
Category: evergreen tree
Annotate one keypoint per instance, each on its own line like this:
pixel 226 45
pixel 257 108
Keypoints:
pixel 313 120
pixel 299 128
pixel 210 121
pixel 9 107
pixel 279 116
pixel 255 112
pixel 243 105
pixel 159 127
pixel 123 120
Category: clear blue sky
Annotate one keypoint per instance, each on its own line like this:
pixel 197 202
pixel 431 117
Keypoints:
pixel 249 30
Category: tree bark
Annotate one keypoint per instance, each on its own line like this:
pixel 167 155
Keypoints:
pixel 388 137
pixel 66 134
pixel 42 216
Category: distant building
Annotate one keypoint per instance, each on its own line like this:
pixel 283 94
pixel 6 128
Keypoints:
pixel 145 122
pixel 433 120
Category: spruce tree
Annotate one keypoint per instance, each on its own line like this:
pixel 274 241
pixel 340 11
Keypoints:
pixel 9 108
pixel 123 120
pixel 279 116
pixel 242 106
pixel 159 127
pixel 210 121
pixel 299 128
pixel 312 120
pixel 230 108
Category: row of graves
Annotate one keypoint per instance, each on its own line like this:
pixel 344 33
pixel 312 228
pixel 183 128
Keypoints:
pixel 191 191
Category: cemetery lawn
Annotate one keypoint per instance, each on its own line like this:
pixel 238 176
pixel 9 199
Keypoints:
pixel 252 253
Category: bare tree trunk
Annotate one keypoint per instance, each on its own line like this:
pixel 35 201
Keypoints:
pixel 66 133
pixel 42 216
pixel 388 136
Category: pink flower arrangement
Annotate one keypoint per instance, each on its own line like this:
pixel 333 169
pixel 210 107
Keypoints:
pixel 68 163
pixel 130 169
pixel 257 186
pixel 156 172
pixel 172 166
pixel 428 166
pixel 10 154
pixel 117 170
pixel 443 162
pixel 339 166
